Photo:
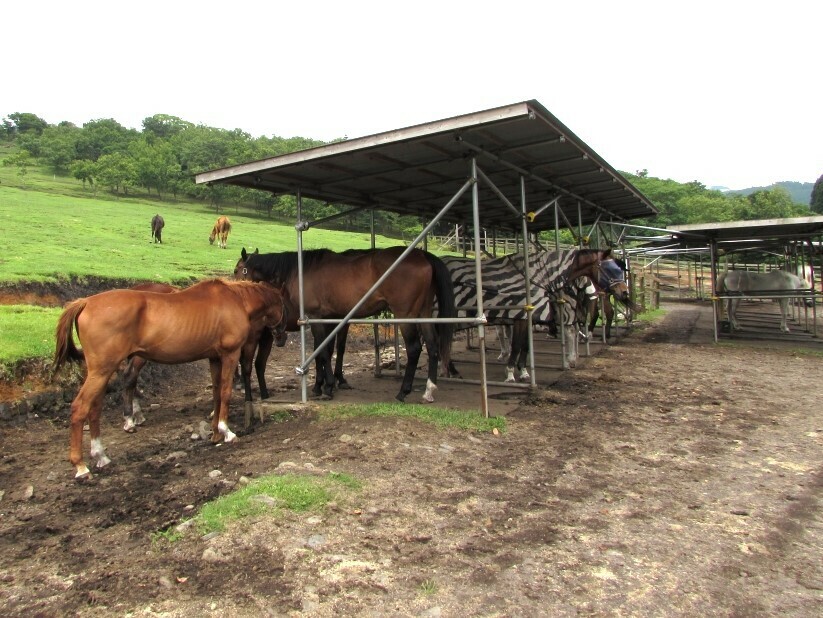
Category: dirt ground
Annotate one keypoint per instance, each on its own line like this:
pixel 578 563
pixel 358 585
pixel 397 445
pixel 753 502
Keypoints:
pixel 667 475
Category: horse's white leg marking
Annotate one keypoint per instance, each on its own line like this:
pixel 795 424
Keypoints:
pixel 784 307
pixel 137 412
pixel 82 472
pixel 509 374
pixel 129 425
pixel 524 375
pixel 428 396
pixel 99 452
pixel 228 436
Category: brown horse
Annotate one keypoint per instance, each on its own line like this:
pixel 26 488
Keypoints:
pixel 334 283
pixel 133 413
pixel 214 319
pixel 612 285
pixel 221 228
pixel 157 224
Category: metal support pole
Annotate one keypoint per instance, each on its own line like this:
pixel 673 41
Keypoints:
pixel 481 328
pixel 715 301
pixel 301 225
pixel 527 274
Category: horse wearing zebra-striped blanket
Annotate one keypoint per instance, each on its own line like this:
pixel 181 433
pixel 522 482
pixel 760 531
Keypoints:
pixel 504 296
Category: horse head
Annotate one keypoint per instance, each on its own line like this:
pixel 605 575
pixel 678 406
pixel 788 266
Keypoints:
pixel 243 271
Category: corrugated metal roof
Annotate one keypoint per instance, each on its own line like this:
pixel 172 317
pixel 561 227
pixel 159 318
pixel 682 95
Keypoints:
pixel 418 169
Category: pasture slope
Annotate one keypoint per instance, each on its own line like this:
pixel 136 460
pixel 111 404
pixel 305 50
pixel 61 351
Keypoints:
pixel 668 476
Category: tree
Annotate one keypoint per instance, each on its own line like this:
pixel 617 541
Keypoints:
pixel 816 201
pixel 774 203
pixel 58 146
pixel 101 137
pixel 164 126
pixel 20 159
pixel 155 163
pixel 27 123
pixel 116 171
pixel 84 171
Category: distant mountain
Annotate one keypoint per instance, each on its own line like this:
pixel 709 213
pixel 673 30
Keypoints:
pixel 801 192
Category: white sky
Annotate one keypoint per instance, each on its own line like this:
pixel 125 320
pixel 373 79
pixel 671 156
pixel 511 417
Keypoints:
pixel 722 92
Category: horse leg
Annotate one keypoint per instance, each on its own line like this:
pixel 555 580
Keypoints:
pixel 222 370
pixel 132 412
pixel 87 405
pixel 342 335
pixel 732 311
pixel 246 358
pixel 324 382
pixel 521 327
pixel 515 346
pixel 264 345
pixel 433 352
pixel 411 337
pixel 608 316
pixel 784 308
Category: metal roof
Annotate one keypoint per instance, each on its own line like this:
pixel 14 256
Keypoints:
pixel 795 228
pixel 418 169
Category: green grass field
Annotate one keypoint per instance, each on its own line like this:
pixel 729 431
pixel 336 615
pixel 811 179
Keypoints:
pixel 55 231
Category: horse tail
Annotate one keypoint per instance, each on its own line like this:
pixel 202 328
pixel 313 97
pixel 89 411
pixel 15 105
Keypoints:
pixel 446 308
pixel 66 350
pixel 721 281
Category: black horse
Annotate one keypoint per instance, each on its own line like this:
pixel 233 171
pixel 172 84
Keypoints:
pixel 157 224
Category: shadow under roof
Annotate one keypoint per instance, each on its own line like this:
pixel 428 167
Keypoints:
pixel 418 169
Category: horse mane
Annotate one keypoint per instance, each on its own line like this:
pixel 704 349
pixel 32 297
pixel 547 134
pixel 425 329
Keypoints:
pixel 279 268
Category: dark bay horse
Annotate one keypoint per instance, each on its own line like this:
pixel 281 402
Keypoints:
pixel 334 283
pixel 157 224
pixel 221 229
pixel 214 320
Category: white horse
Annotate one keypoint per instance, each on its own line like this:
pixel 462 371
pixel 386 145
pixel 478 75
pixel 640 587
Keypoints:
pixel 750 283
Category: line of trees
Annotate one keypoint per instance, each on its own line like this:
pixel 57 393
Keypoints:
pixel 163 158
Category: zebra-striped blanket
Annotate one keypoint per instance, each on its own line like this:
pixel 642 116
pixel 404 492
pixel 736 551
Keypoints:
pixel 504 284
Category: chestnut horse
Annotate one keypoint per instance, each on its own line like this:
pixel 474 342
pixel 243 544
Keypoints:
pixel 132 412
pixel 215 320
pixel 157 224
pixel 334 283
pixel 221 228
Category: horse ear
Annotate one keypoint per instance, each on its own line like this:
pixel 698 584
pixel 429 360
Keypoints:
pixel 243 253
pixel 256 251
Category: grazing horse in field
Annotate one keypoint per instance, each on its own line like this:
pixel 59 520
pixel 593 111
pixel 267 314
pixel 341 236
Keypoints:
pixel 157 224
pixel 221 229
pixel 334 283
pixel 745 283
pixel 215 320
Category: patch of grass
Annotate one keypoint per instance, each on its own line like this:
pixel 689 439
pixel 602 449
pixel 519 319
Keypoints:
pixel 26 332
pixel 428 587
pixel 293 492
pixel 650 315
pixel 169 535
pixel 440 417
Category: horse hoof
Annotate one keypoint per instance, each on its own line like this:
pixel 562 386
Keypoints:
pixel 401 397
pixel 82 473
pixel 103 462
pixel 344 386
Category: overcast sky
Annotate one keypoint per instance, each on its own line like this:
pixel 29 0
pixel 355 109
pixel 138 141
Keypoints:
pixel 722 92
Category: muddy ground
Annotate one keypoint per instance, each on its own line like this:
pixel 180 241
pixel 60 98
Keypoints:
pixel 666 476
